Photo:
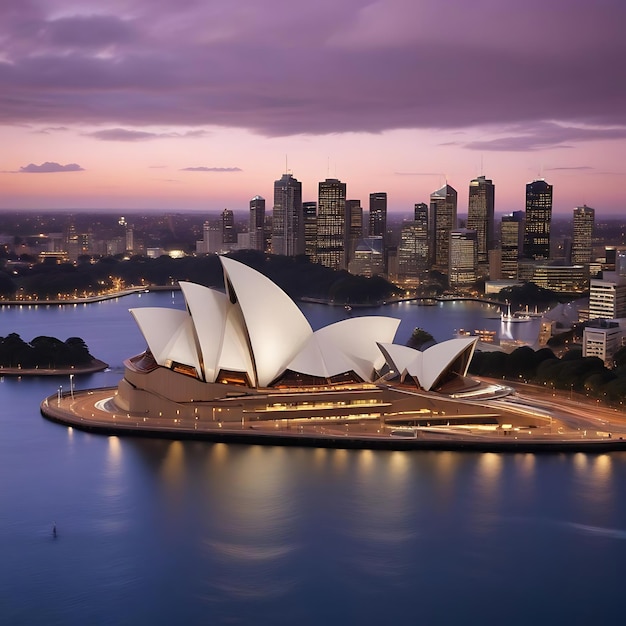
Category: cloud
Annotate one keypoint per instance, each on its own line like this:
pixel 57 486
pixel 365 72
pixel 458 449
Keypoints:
pixel 124 134
pixel 211 169
pixel 576 168
pixel 357 65
pixel 50 167
pixel 51 129
pixel 546 135
pixel 86 31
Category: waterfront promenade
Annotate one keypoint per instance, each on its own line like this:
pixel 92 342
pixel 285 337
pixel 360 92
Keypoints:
pixel 95 366
pixel 89 299
pixel 566 429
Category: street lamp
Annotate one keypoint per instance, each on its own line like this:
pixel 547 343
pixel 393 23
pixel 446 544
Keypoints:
pixel 72 386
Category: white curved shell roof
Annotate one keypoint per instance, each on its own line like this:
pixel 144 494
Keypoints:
pixel 256 329
pixel 169 335
pixel 277 329
pixel 428 366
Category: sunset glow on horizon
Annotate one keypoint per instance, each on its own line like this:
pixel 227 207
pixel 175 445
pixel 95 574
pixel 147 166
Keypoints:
pixel 194 105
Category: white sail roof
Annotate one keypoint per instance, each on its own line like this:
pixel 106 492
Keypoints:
pixel 276 327
pixel 220 331
pixel 256 329
pixel 429 366
pixel 348 345
pixel 169 334
pixel 209 309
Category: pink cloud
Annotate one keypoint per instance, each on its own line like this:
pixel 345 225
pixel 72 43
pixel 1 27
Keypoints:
pixel 50 167
pixel 326 68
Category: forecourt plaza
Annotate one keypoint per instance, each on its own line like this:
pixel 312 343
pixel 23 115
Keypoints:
pixel 244 365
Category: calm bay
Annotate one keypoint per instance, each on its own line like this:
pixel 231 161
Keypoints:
pixel 162 532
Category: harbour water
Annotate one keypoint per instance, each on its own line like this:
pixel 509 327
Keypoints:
pixel 162 532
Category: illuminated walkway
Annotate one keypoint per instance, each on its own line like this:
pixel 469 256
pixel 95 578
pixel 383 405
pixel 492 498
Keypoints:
pixel 564 430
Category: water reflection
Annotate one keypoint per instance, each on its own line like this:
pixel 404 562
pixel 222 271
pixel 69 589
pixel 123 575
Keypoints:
pixel 378 530
pixel 250 529
pixel 593 480
pixel 483 517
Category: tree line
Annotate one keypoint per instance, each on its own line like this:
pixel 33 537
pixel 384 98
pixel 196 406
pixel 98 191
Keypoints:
pixel 43 352
pixel 572 372
pixel 297 276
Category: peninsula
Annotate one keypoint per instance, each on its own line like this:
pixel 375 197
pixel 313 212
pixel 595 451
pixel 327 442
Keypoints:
pixel 246 366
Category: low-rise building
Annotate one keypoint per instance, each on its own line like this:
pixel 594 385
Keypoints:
pixel 603 338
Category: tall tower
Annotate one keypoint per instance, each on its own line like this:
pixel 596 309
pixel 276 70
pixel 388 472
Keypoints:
pixel 331 223
pixel 354 227
pixel 229 234
pixel 287 222
pixel 480 216
pixel 538 219
pixel 378 215
pixel 421 223
pixel 511 241
pixel 582 236
pixel 309 214
pixel 442 221
pixel 257 223
pixel 413 247
pixel 463 257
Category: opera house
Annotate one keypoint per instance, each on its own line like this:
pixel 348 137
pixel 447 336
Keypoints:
pixel 249 353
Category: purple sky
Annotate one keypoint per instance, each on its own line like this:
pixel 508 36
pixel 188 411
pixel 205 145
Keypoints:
pixel 195 103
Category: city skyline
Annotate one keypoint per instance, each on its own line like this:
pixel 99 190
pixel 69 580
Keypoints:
pixel 201 107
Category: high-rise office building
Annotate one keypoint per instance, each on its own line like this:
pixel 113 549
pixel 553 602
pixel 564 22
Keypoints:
pixel 480 216
pixel 511 242
pixel 412 253
pixel 442 221
pixel 463 257
pixel 607 296
pixel 582 235
pixel 287 221
pixel 229 234
pixel 331 223
pixel 378 215
pixel 354 227
pixel 256 226
pixel 538 220
pixel 420 213
pixel 309 215
pixel 130 238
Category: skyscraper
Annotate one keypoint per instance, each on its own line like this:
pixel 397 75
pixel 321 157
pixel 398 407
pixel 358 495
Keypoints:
pixel 441 223
pixel 480 216
pixel 538 219
pixel 287 221
pixel 331 223
pixel 256 226
pixel 378 215
pixel 582 236
pixel 511 241
pixel 420 217
pixel 229 234
pixel 354 224
pixel 463 257
pixel 413 247
pixel 309 214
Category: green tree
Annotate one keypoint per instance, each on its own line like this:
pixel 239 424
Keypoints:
pixel 420 339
